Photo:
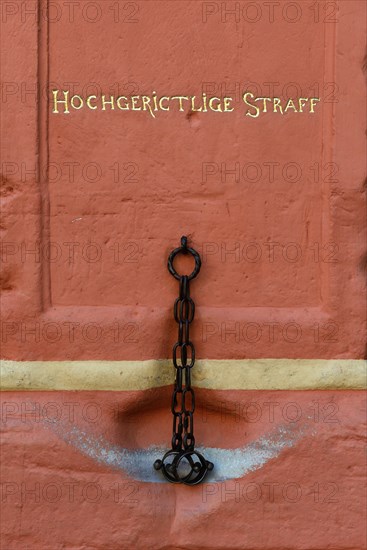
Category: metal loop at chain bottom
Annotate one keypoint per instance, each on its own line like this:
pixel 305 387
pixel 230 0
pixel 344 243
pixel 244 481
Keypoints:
pixel 187 467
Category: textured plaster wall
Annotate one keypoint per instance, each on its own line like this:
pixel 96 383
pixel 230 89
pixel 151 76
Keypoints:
pixel 93 202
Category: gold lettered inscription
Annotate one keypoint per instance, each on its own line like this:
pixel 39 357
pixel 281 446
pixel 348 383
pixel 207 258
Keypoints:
pixel 65 103
pixel 258 105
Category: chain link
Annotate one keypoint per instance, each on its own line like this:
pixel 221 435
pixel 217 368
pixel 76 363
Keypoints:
pixel 183 420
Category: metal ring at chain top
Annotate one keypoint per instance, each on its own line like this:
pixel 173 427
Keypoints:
pixel 183 464
pixel 184 249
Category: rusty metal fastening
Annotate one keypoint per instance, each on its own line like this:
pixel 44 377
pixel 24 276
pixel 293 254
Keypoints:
pixel 182 463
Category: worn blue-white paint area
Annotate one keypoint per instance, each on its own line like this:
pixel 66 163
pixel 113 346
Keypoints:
pixel 138 463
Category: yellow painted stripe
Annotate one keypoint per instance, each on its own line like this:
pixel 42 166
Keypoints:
pixel 243 374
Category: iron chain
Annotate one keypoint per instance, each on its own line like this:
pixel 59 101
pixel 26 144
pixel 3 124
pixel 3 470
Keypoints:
pixel 183 361
pixel 188 465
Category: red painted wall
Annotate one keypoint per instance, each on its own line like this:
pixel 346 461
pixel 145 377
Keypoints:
pixel 92 204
